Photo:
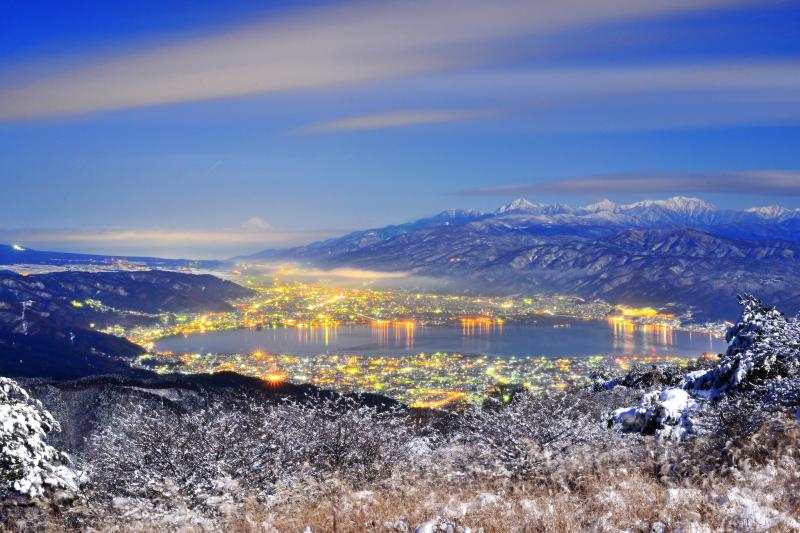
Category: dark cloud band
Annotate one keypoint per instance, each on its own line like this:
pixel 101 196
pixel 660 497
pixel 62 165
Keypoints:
pixel 764 182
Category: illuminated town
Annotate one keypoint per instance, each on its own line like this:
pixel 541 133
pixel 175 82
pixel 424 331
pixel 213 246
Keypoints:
pixel 422 380
pixel 317 312
pixel 297 304
pixel 311 305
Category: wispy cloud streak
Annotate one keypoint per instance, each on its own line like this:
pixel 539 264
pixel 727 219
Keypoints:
pixel 697 94
pixel 763 182
pixel 713 76
pixel 321 48
pixel 401 119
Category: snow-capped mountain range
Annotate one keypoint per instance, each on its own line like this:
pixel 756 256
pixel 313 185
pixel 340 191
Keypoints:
pixel 675 210
pixel 654 251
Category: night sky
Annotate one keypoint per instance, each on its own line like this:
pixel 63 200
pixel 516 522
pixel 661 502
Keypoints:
pixel 211 128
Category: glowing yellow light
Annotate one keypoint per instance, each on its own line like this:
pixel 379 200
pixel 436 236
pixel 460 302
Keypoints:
pixel 275 377
pixel 644 312
pixel 446 398
pixel 17 248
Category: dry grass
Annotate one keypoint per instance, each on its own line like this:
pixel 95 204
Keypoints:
pixel 610 492
pixel 745 484
pixel 636 503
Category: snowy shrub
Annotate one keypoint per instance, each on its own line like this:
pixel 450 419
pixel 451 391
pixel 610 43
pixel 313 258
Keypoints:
pixel 182 454
pixel 29 467
pixel 646 377
pixel 225 462
pixel 212 456
pixel 341 435
pixel 533 432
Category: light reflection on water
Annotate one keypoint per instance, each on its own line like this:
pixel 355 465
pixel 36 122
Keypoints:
pixel 433 366
pixel 560 338
pixel 627 336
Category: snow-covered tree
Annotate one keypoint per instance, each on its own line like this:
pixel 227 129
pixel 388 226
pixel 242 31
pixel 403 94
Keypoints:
pixel 166 452
pixel 761 364
pixel 528 436
pixel 762 345
pixel 196 455
pixel 343 436
pixel 29 467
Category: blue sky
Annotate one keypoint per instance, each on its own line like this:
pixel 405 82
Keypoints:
pixel 202 129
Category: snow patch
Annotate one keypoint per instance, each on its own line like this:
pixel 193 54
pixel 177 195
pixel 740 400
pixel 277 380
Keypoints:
pixel 663 413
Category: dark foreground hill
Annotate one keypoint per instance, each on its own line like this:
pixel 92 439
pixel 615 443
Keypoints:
pixel 48 322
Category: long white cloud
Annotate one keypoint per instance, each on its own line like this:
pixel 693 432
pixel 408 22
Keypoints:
pixel 162 242
pixel 315 49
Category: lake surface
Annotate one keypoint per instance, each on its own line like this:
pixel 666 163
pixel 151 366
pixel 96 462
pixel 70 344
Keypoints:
pixel 564 338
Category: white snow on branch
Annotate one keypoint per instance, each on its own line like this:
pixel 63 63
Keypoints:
pixel 28 465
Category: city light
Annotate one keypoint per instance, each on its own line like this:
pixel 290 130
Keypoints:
pixel 275 378
pixel 393 318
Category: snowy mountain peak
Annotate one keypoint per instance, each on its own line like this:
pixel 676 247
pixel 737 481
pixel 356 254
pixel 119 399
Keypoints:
pixel 675 210
pixel 685 204
pixel 520 204
pixel 602 205
pixel 678 204
pixel 771 212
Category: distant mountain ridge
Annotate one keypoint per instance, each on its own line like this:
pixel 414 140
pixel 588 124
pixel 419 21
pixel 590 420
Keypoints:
pixel 48 326
pixel 654 251
pixel 13 254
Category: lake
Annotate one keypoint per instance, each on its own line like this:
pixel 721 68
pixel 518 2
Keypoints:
pixel 560 338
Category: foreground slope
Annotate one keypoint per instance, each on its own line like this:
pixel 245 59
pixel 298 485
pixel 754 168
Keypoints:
pixel 176 456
